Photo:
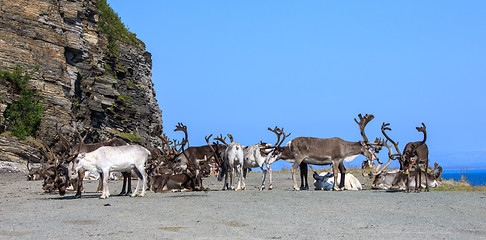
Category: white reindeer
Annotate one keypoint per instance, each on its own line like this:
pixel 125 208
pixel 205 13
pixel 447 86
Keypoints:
pixel 234 158
pixel 325 181
pixel 118 159
pixel 256 156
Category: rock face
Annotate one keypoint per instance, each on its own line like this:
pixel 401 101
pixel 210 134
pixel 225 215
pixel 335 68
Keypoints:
pixel 77 78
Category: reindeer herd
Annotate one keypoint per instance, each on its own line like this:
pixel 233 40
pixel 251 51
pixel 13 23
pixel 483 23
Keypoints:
pixel 178 167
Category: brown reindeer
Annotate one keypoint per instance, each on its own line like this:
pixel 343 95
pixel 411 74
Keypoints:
pixel 55 173
pixel 415 154
pixel 177 170
pixel 172 182
pixel 327 151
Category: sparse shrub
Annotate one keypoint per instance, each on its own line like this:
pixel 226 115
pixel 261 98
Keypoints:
pixel 24 114
pixel 111 25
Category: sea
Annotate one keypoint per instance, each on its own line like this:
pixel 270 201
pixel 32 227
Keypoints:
pixel 475 177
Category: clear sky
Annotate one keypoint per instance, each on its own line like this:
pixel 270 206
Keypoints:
pixel 240 67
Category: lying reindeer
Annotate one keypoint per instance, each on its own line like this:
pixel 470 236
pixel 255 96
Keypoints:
pixel 172 182
pixel 325 181
pixel 397 180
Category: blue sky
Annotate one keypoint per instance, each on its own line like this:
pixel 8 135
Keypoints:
pixel 240 67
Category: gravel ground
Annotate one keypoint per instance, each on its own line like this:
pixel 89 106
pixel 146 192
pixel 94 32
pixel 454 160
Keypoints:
pixel 28 213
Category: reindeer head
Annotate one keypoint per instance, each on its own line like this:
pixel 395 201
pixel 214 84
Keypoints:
pixel 369 149
pixel 56 175
pixel 411 152
pixel 278 150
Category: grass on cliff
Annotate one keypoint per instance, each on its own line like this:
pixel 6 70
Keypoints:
pixel 23 115
pixel 111 25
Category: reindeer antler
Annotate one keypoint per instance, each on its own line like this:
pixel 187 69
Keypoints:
pixel 212 149
pixel 181 127
pixel 221 139
pixel 230 137
pixel 385 127
pixel 363 121
pixel 423 130
pixel 279 132
pixel 390 157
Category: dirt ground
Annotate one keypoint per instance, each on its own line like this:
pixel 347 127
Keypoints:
pixel 28 213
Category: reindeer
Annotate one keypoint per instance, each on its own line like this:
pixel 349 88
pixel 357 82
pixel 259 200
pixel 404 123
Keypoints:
pixel 55 173
pixel 233 161
pixel 272 159
pixel 169 182
pixel 199 156
pixel 327 151
pixel 35 173
pixel 255 156
pixel 323 181
pixel 82 147
pixel 174 176
pixel 399 180
pixel 118 159
pixel 414 154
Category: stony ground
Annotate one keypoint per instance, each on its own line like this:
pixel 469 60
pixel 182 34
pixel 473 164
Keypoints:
pixel 28 213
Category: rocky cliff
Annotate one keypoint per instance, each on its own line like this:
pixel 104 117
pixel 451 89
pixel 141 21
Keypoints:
pixel 78 77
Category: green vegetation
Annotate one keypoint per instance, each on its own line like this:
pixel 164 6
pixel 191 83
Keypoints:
pixel 462 185
pixel 24 114
pixel 111 25
pixel 127 136
pixel 124 98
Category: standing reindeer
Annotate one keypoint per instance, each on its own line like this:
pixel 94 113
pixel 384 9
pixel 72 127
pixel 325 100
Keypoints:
pixel 233 162
pixel 81 147
pixel 327 151
pixel 414 154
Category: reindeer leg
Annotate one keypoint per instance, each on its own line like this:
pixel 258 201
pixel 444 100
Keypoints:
pixel 141 177
pixel 239 170
pixel 335 171
pixel 245 171
pixel 407 181
pixel 105 192
pixel 264 171
pixel 342 170
pixel 123 191
pixel 426 176
pixel 303 176
pixel 129 183
pixel 232 174
pixel 79 183
pixel 100 184
pixel 294 177
pixel 225 178
pixel 270 186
